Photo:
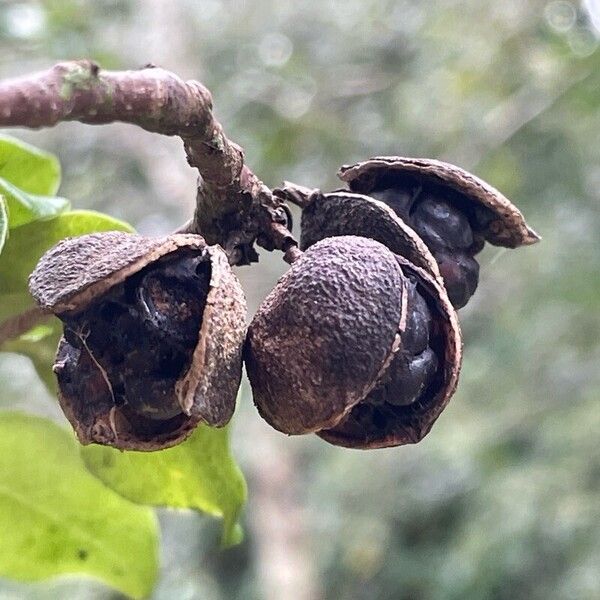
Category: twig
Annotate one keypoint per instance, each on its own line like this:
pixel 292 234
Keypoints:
pixel 234 208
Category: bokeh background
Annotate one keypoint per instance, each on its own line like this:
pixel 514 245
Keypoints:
pixel 502 499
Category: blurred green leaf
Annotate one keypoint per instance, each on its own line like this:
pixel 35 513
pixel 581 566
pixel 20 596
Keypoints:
pixel 56 518
pixel 27 243
pixel 24 207
pixel 29 178
pixel 28 168
pixel 3 223
pixel 39 345
pixel 199 474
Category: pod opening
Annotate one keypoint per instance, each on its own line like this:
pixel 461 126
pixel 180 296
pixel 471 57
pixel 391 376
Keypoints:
pixel 123 353
pixel 392 413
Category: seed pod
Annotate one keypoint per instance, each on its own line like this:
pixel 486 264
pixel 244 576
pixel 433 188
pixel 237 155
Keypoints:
pixel 453 211
pixel 341 338
pixel 153 332
pixel 490 213
pixel 345 213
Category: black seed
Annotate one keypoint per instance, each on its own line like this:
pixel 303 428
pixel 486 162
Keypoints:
pixel 482 216
pixel 411 377
pixel 399 200
pixel 461 275
pixel 430 234
pixel 470 268
pixel 416 335
pixel 478 244
pixel 441 224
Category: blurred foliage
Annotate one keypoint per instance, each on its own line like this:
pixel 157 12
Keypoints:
pixel 199 473
pixel 501 499
pixel 29 179
pixel 3 222
pixel 46 494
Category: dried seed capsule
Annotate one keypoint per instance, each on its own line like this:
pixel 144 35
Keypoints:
pixel 452 210
pixel 153 331
pixel 345 213
pixel 356 344
pixel 490 213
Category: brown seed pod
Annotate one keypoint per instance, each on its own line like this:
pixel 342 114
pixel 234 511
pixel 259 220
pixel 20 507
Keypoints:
pixel 339 347
pixel 453 211
pixel 494 216
pixel 153 334
pixel 345 213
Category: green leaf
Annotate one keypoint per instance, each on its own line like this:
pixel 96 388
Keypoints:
pixel 24 207
pixel 28 167
pixel 199 474
pixel 3 223
pixel 27 243
pixel 39 345
pixel 56 518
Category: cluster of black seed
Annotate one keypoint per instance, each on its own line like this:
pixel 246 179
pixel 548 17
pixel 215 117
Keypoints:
pixel 130 346
pixel 446 230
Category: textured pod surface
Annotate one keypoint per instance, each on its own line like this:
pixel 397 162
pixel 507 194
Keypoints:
pixel 153 335
pixel 320 339
pixel 372 424
pixel 505 226
pixel 78 269
pixel 344 213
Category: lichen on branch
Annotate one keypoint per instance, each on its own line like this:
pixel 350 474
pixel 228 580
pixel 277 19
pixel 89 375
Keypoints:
pixel 234 208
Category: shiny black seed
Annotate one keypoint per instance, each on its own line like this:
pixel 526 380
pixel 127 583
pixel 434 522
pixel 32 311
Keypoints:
pixel 441 224
pixel 411 378
pixel 398 199
pixel 416 335
pixel 461 275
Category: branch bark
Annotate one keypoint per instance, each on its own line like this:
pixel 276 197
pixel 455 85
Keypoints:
pixel 233 208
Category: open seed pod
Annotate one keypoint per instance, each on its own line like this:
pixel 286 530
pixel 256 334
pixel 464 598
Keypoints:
pixel 153 335
pixel 356 344
pixel 453 211
pixel 345 213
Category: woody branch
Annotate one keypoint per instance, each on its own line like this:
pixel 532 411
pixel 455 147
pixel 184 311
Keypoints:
pixel 233 207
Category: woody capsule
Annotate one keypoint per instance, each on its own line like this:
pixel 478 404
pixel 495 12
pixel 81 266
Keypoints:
pixel 453 211
pixel 152 340
pixel 354 343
